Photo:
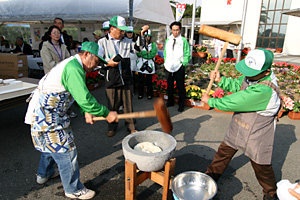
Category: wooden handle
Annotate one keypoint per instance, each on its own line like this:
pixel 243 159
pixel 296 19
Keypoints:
pixel 143 114
pixel 217 66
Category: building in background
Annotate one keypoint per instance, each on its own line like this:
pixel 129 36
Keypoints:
pixel 265 24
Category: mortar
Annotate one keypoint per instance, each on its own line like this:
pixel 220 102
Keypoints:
pixel 149 162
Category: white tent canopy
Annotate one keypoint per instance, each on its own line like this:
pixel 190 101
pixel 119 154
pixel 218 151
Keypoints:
pixel 33 11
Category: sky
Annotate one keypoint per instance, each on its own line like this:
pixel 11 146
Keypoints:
pixel 199 2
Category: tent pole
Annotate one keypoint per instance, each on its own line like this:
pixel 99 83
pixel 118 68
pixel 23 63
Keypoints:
pixel 131 12
pixel 193 27
pixel 241 46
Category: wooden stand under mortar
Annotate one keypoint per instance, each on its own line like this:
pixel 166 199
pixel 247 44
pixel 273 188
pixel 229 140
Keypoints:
pixel 134 177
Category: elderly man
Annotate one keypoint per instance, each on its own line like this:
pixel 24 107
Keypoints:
pixel 118 76
pixel 22 47
pixel 50 125
pixel 64 36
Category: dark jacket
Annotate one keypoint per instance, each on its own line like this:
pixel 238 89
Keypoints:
pixel 26 49
pixel 122 74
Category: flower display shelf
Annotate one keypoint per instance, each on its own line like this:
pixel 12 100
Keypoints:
pixel 294 115
pixel 93 86
pixel 196 104
pixel 221 111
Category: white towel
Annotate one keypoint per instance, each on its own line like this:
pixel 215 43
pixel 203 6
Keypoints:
pixel 282 190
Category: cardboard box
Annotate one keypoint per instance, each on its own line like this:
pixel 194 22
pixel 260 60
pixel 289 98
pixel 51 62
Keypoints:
pixel 5 74
pixel 13 61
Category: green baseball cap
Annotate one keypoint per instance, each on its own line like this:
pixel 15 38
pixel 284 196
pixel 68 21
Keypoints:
pixel 95 49
pixel 257 61
pixel 118 22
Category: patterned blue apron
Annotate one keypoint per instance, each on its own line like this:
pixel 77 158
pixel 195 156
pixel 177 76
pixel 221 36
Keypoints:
pixel 51 131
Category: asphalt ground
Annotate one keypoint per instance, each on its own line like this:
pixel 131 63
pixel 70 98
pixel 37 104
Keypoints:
pixel 198 133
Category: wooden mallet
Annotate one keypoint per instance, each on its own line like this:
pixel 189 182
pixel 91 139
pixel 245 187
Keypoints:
pixel 160 111
pixel 225 36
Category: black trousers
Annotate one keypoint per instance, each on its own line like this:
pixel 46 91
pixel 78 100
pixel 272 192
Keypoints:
pixel 145 79
pixel 179 78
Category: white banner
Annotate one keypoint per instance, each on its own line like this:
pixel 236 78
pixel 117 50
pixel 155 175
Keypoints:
pixel 180 8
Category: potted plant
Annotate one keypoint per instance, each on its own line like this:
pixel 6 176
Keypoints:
pixel 278 50
pixel 159 60
pixel 162 87
pixel 295 113
pixel 245 51
pixel 154 85
pixel 93 80
pixel 199 50
pixel 208 58
pixel 194 95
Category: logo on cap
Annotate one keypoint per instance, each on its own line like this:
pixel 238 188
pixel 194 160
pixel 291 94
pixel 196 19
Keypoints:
pixel 250 61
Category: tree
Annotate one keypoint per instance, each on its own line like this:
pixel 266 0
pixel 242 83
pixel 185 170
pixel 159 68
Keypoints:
pixel 12 32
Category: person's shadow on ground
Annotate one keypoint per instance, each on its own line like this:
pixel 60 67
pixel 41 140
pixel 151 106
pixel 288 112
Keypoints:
pixel 284 138
pixel 189 127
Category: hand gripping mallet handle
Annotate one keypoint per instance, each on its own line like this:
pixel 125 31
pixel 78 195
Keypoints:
pixel 160 111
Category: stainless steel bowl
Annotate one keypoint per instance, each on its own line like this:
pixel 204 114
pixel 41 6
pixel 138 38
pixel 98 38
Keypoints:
pixel 192 185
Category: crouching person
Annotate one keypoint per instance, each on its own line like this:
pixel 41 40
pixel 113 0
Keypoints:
pixel 50 125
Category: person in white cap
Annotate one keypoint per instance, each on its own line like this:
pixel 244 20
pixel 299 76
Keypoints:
pixel 146 66
pixel 105 27
pixel 255 102
pixel 118 76
pixel 133 57
pixel 50 125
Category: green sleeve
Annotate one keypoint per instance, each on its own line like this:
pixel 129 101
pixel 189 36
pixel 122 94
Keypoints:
pixel 186 52
pixel 254 98
pixel 153 51
pixel 73 79
pixel 231 85
pixel 165 49
pixel 149 55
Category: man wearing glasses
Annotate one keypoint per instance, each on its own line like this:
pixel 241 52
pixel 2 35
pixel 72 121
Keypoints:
pixel 118 74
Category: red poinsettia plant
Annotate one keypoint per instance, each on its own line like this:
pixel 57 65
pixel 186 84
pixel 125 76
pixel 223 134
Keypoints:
pixel 245 51
pixel 159 60
pixel 154 81
pixel 93 77
pixel 162 86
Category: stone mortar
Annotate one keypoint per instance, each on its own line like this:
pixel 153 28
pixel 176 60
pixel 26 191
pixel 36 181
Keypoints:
pixel 149 162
